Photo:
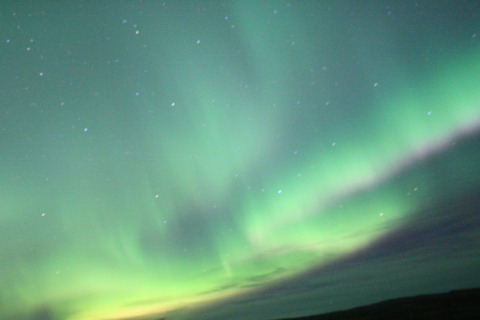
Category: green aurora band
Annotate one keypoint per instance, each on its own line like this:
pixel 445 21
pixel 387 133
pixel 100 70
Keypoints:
pixel 210 198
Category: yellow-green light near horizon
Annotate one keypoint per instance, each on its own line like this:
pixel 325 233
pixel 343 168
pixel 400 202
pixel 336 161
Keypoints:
pixel 240 162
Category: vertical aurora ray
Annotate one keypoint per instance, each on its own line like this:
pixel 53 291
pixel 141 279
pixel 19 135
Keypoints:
pixel 423 123
pixel 244 152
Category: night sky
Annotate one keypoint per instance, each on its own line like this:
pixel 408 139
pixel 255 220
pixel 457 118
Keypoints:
pixel 235 159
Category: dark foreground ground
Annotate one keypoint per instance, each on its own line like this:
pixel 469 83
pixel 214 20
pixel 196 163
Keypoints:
pixel 454 305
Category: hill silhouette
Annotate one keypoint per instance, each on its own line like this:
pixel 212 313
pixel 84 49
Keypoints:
pixel 454 305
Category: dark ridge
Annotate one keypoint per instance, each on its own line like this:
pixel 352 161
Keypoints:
pixel 454 305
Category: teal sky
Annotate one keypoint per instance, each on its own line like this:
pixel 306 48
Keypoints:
pixel 235 159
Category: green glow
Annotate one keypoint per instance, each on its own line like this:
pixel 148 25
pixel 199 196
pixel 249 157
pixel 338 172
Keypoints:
pixel 210 197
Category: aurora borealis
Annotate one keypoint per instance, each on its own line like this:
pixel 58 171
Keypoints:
pixel 235 159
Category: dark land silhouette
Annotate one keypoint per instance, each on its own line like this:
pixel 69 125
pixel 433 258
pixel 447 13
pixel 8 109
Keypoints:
pixel 454 305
